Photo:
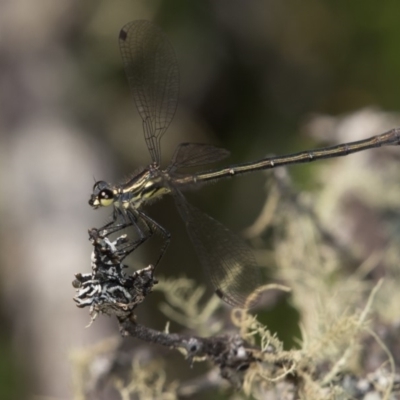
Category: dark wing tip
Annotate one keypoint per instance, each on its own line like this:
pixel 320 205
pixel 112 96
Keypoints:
pixel 240 301
pixel 123 34
pixel 219 293
pixel 228 299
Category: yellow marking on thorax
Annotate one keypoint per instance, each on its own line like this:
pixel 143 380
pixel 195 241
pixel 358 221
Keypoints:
pixel 140 192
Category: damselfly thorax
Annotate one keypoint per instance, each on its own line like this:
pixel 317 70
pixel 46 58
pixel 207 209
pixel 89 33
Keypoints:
pixel 147 185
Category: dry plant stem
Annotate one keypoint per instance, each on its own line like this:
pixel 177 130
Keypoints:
pixel 129 327
pixel 230 353
pixel 227 351
pixel 108 289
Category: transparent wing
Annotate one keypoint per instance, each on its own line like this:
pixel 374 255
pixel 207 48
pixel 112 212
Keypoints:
pixel 196 154
pixel 152 70
pixel 227 260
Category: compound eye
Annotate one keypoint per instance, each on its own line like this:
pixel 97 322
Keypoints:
pixel 106 197
pixel 99 185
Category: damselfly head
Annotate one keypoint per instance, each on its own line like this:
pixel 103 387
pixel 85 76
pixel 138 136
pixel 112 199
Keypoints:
pixel 102 196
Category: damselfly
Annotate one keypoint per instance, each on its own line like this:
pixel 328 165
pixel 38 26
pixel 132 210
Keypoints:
pixel 152 70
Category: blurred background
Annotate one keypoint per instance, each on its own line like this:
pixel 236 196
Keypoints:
pixel 254 76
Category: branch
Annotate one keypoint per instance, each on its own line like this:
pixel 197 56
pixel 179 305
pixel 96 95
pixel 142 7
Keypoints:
pixel 109 290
